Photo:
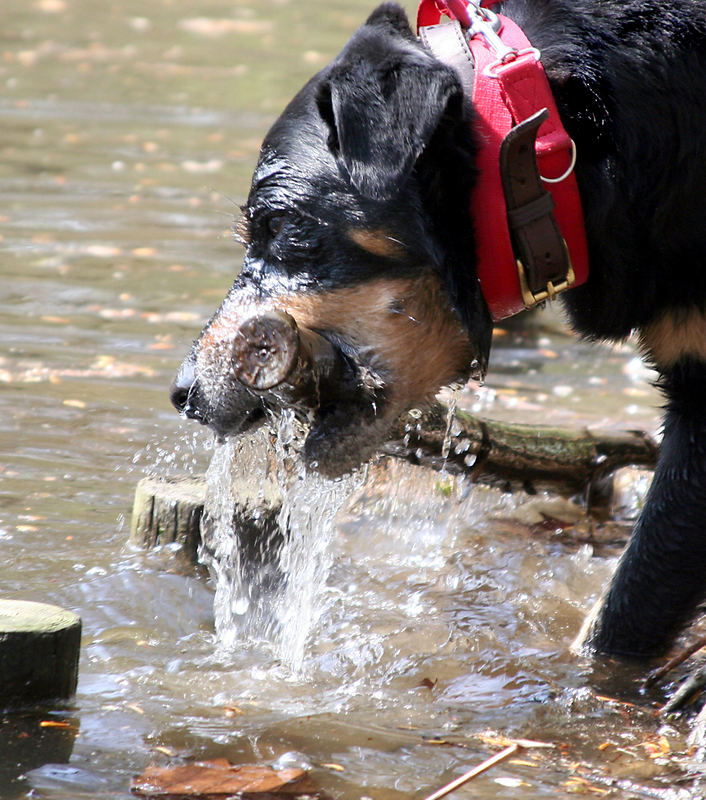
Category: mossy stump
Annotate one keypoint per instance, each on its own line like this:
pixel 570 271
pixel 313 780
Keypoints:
pixel 39 652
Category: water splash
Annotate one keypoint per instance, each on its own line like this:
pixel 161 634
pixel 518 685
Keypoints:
pixel 449 433
pixel 267 535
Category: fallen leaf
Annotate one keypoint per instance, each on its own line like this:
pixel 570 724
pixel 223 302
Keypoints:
pixel 511 783
pixel 53 723
pixel 74 403
pixel 213 27
pixel 57 320
pixel 219 778
pixel 614 700
pixel 658 748
pixel 577 785
pixel 212 165
pixel 497 740
pixel 102 250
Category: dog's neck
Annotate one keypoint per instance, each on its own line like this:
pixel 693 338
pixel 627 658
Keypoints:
pixel 531 242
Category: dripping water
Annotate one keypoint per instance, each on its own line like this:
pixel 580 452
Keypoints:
pixel 268 527
pixel 450 433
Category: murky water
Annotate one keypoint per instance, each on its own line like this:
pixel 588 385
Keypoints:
pixel 129 133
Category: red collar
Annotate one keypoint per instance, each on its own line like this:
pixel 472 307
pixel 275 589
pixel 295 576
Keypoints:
pixel 509 88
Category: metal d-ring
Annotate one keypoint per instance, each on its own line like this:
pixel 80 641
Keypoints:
pixel 489 71
pixel 569 170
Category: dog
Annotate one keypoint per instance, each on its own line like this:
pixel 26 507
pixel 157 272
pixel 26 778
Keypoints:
pixel 358 225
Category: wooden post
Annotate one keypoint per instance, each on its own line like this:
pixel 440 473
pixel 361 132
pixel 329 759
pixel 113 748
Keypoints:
pixel 39 650
pixel 168 511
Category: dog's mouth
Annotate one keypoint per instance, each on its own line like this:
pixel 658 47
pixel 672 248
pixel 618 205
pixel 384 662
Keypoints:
pixel 323 380
pixel 275 365
pixel 352 362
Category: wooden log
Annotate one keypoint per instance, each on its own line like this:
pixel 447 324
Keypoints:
pixel 296 366
pixel 527 456
pixel 563 459
pixel 168 511
pixel 288 365
pixel 39 651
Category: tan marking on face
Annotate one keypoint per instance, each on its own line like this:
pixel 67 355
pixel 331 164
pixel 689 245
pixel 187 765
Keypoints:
pixel 676 334
pixel 379 243
pixel 223 327
pixel 404 328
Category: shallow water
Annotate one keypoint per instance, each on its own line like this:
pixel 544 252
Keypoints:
pixel 129 133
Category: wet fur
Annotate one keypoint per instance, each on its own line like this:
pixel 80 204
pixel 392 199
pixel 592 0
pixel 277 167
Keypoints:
pixel 357 222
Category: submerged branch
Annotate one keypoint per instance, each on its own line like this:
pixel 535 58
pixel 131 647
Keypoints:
pixel 564 458
pixel 473 773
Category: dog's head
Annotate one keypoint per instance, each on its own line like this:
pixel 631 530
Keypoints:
pixel 356 225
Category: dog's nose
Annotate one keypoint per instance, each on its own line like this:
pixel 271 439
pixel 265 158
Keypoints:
pixel 182 388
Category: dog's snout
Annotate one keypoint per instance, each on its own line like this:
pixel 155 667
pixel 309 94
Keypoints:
pixel 182 388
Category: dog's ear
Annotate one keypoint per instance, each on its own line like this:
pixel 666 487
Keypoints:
pixel 382 99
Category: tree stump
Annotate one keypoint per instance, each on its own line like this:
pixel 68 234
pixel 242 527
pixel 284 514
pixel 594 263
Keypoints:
pixel 168 511
pixel 39 650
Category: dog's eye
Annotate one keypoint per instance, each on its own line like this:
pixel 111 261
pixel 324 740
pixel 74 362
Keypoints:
pixel 275 224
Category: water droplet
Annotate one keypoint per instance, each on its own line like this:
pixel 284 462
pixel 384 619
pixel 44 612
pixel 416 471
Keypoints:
pixel 240 605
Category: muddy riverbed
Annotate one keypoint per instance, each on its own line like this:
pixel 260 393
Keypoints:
pixel 443 616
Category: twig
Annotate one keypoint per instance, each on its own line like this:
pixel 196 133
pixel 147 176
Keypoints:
pixel 659 673
pixel 485 765
pixel 685 693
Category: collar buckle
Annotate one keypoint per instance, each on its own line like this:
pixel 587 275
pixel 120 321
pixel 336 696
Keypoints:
pixel 532 299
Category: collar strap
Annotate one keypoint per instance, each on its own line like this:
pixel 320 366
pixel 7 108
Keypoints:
pixel 530 237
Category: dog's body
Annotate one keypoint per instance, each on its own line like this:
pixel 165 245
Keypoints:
pixel 358 226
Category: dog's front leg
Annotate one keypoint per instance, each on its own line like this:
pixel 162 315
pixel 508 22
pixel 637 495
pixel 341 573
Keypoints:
pixel 661 577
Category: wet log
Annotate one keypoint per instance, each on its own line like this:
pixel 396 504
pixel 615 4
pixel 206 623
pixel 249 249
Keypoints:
pixel 296 366
pixel 167 511
pixel 530 456
pixel 290 365
pixel 39 651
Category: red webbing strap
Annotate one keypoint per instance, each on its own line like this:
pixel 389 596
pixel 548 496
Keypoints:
pixel 430 12
pixel 526 90
pixel 496 267
pixel 517 91
pixel 504 95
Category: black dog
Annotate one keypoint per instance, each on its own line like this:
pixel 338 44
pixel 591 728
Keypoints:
pixel 357 225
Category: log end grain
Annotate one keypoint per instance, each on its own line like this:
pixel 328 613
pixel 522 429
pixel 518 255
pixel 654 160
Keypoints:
pixel 39 652
pixel 265 350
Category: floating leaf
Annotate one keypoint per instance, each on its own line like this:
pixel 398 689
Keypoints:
pixel 219 778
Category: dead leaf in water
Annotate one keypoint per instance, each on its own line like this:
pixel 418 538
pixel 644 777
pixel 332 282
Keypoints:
pixel 219 778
